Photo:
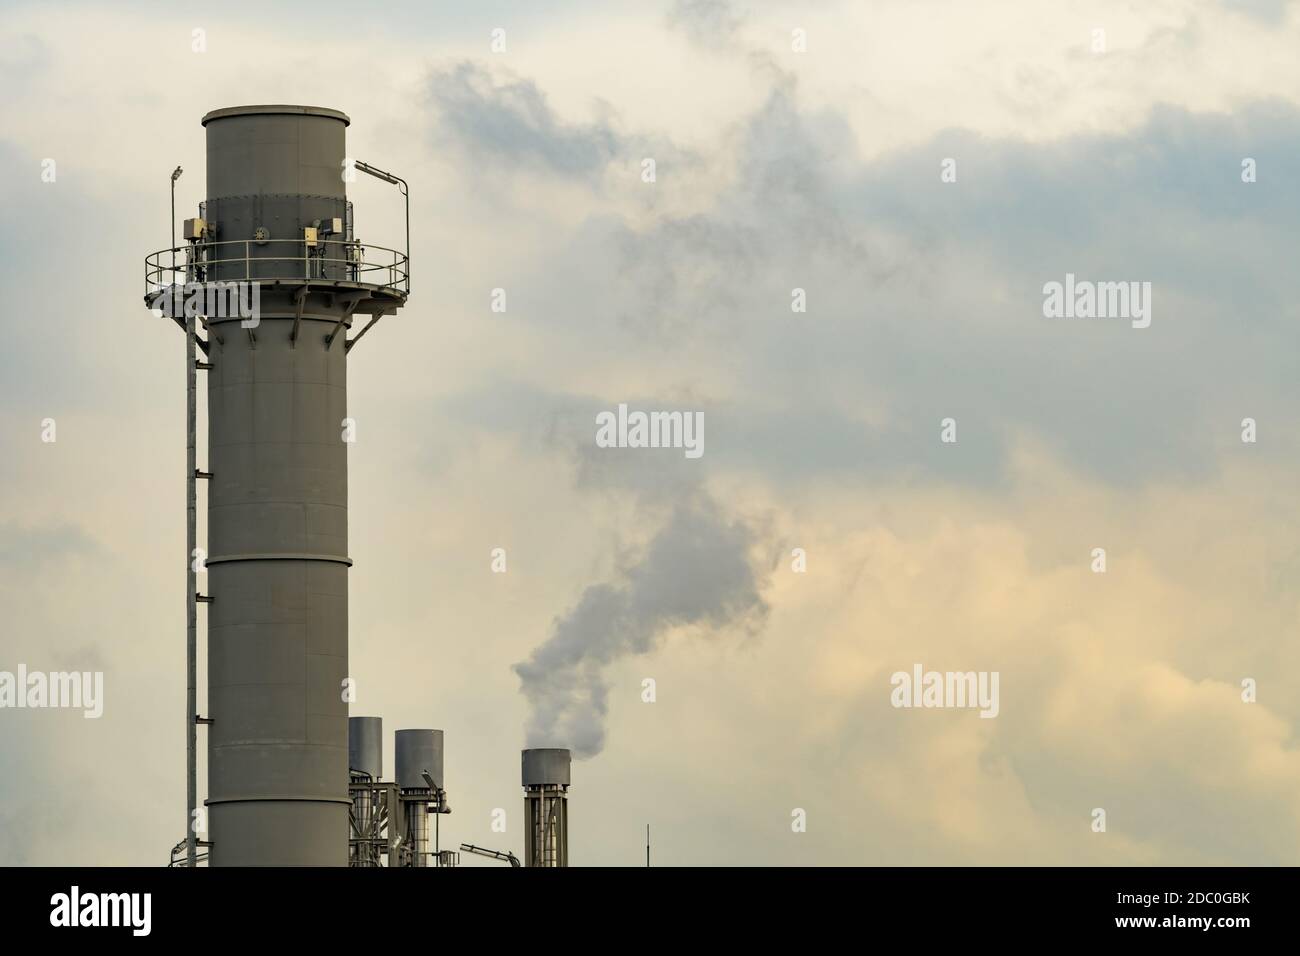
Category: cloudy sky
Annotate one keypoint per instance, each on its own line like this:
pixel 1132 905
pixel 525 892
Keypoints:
pixel 796 146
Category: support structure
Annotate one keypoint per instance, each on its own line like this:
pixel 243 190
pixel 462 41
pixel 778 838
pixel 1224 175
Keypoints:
pixel 393 816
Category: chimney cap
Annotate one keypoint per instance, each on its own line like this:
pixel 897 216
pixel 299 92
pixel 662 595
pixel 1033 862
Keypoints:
pixel 546 766
pixel 276 110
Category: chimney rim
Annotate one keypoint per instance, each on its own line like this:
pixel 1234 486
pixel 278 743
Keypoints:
pixel 275 109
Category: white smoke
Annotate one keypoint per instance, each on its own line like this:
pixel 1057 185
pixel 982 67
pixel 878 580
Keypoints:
pixel 696 571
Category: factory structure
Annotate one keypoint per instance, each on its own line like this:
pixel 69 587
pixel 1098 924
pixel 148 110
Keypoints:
pixel 269 285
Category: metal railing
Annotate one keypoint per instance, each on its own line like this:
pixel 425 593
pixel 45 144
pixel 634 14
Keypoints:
pixel 254 260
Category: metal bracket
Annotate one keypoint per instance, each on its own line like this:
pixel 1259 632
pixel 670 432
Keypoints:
pixel 203 598
pixel 203 720
pixel 203 366
pixel 197 341
pixel 349 302
pixel 347 347
pixel 329 339
pixel 212 334
pixel 202 474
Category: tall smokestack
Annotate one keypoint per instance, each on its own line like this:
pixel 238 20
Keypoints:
pixel 546 807
pixel 277 220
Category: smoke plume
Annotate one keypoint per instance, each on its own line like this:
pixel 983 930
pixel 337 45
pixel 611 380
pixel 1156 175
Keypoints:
pixel 696 571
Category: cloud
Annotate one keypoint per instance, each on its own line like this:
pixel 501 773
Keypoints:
pixel 510 122
pixel 1119 690
pixel 925 298
pixel 33 547
pixel 23 58
pixel 711 24
pixel 1268 11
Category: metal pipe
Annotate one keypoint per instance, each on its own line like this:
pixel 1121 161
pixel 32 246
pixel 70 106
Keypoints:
pixel 417 831
pixel 191 579
pixel 191 595
pixel 191 574
pixel 365 819
pixel 504 856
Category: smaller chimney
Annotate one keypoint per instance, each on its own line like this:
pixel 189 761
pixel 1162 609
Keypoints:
pixel 546 806
pixel 418 755
pixel 366 746
pixel 365 768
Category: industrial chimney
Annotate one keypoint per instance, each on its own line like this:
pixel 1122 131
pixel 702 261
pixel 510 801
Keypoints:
pixel 365 770
pixel 276 229
pixel 420 788
pixel 546 807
